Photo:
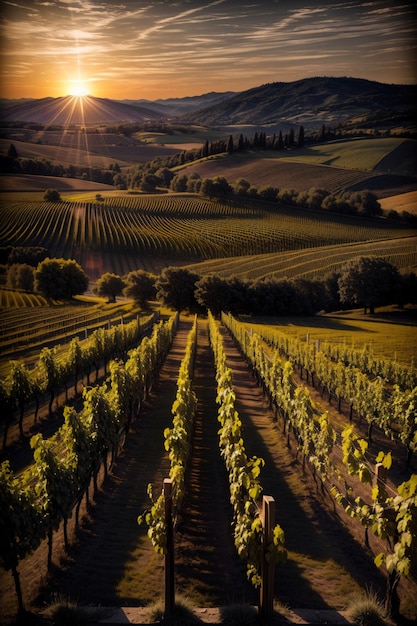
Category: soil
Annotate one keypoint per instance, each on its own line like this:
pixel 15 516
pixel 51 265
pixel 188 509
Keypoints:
pixel 112 562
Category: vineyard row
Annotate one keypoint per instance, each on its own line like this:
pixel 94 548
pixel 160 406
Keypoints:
pixel 179 226
pixel 40 498
pixel 23 386
pixel 389 517
pixel 393 410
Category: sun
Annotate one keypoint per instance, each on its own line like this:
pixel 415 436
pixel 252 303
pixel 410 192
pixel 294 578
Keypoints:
pixel 78 88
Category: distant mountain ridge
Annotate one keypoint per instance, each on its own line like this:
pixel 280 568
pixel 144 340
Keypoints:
pixel 73 110
pixel 174 107
pixel 311 101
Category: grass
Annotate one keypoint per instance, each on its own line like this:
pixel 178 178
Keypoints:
pixel 366 609
pixel 183 613
pixel 401 202
pixel 363 154
pixel 64 612
pixel 383 334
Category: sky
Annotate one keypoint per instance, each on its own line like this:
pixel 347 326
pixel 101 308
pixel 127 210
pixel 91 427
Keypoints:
pixel 151 49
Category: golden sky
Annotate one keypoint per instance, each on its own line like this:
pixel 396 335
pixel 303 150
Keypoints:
pixel 153 49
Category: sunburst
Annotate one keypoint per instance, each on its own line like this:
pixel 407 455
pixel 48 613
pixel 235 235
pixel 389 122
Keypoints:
pixel 78 89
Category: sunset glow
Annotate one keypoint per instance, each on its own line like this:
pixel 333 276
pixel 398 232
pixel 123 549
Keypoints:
pixel 153 49
pixel 78 89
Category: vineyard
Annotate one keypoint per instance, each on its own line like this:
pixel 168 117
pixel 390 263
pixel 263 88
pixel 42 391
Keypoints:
pixel 338 457
pixel 29 322
pixel 131 438
pixel 155 231
pixel 311 262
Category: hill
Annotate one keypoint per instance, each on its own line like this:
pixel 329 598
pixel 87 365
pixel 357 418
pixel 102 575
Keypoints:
pixel 311 102
pixel 73 110
pixel 379 165
pixel 174 107
pixel 126 232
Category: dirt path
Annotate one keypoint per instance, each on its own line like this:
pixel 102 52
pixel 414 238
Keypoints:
pixel 208 567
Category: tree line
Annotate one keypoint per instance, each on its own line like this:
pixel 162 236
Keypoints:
pixel 158 173
pixel 12 163
pixel 365 282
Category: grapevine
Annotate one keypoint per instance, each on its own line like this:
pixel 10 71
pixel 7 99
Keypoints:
pixel 245 488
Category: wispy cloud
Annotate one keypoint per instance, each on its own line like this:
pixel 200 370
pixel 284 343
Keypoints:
pixel 155 48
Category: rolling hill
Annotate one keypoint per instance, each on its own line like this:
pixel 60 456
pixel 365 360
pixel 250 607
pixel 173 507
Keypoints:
pixel 386 166
pixel 311 102
pixel 174 107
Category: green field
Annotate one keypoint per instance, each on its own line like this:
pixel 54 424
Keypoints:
pixel 386 154
pixel 390 334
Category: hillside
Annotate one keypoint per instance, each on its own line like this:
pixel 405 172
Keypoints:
pixel 311 102
pixel 72 110
pixel 379 165
pixel 128 232
pixel 311 263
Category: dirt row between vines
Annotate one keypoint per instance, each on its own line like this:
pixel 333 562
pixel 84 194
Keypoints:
pixel 112 562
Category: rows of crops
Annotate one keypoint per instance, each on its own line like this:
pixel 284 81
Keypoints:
pixel 179 227
pixel 63 466
pixel 312 262
pixel 327 450
pixel 21 328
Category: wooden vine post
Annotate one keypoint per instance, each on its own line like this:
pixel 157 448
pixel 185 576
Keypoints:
pixel 266 604
pixel 169 556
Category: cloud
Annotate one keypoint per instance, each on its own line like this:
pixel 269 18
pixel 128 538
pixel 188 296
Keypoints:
pixel 146 43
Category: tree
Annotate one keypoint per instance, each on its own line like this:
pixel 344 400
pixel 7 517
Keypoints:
pixel 370 282
pixel 25 277
pixel 149 182
pixel 217 187
pixel 52 195
pixel 109 286
pixel 300 139
pixel 74 277
pixel 241 186
pixel 408 293
pixel 32 255
pixel 60 278
pixel 211 293
pixel 140 286
pixel 12 152
pixel 175 288
pixel 21 276
pixel 268 193
pixel 179 183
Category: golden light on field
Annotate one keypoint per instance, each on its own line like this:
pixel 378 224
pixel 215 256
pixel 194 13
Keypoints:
pixel 78 88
